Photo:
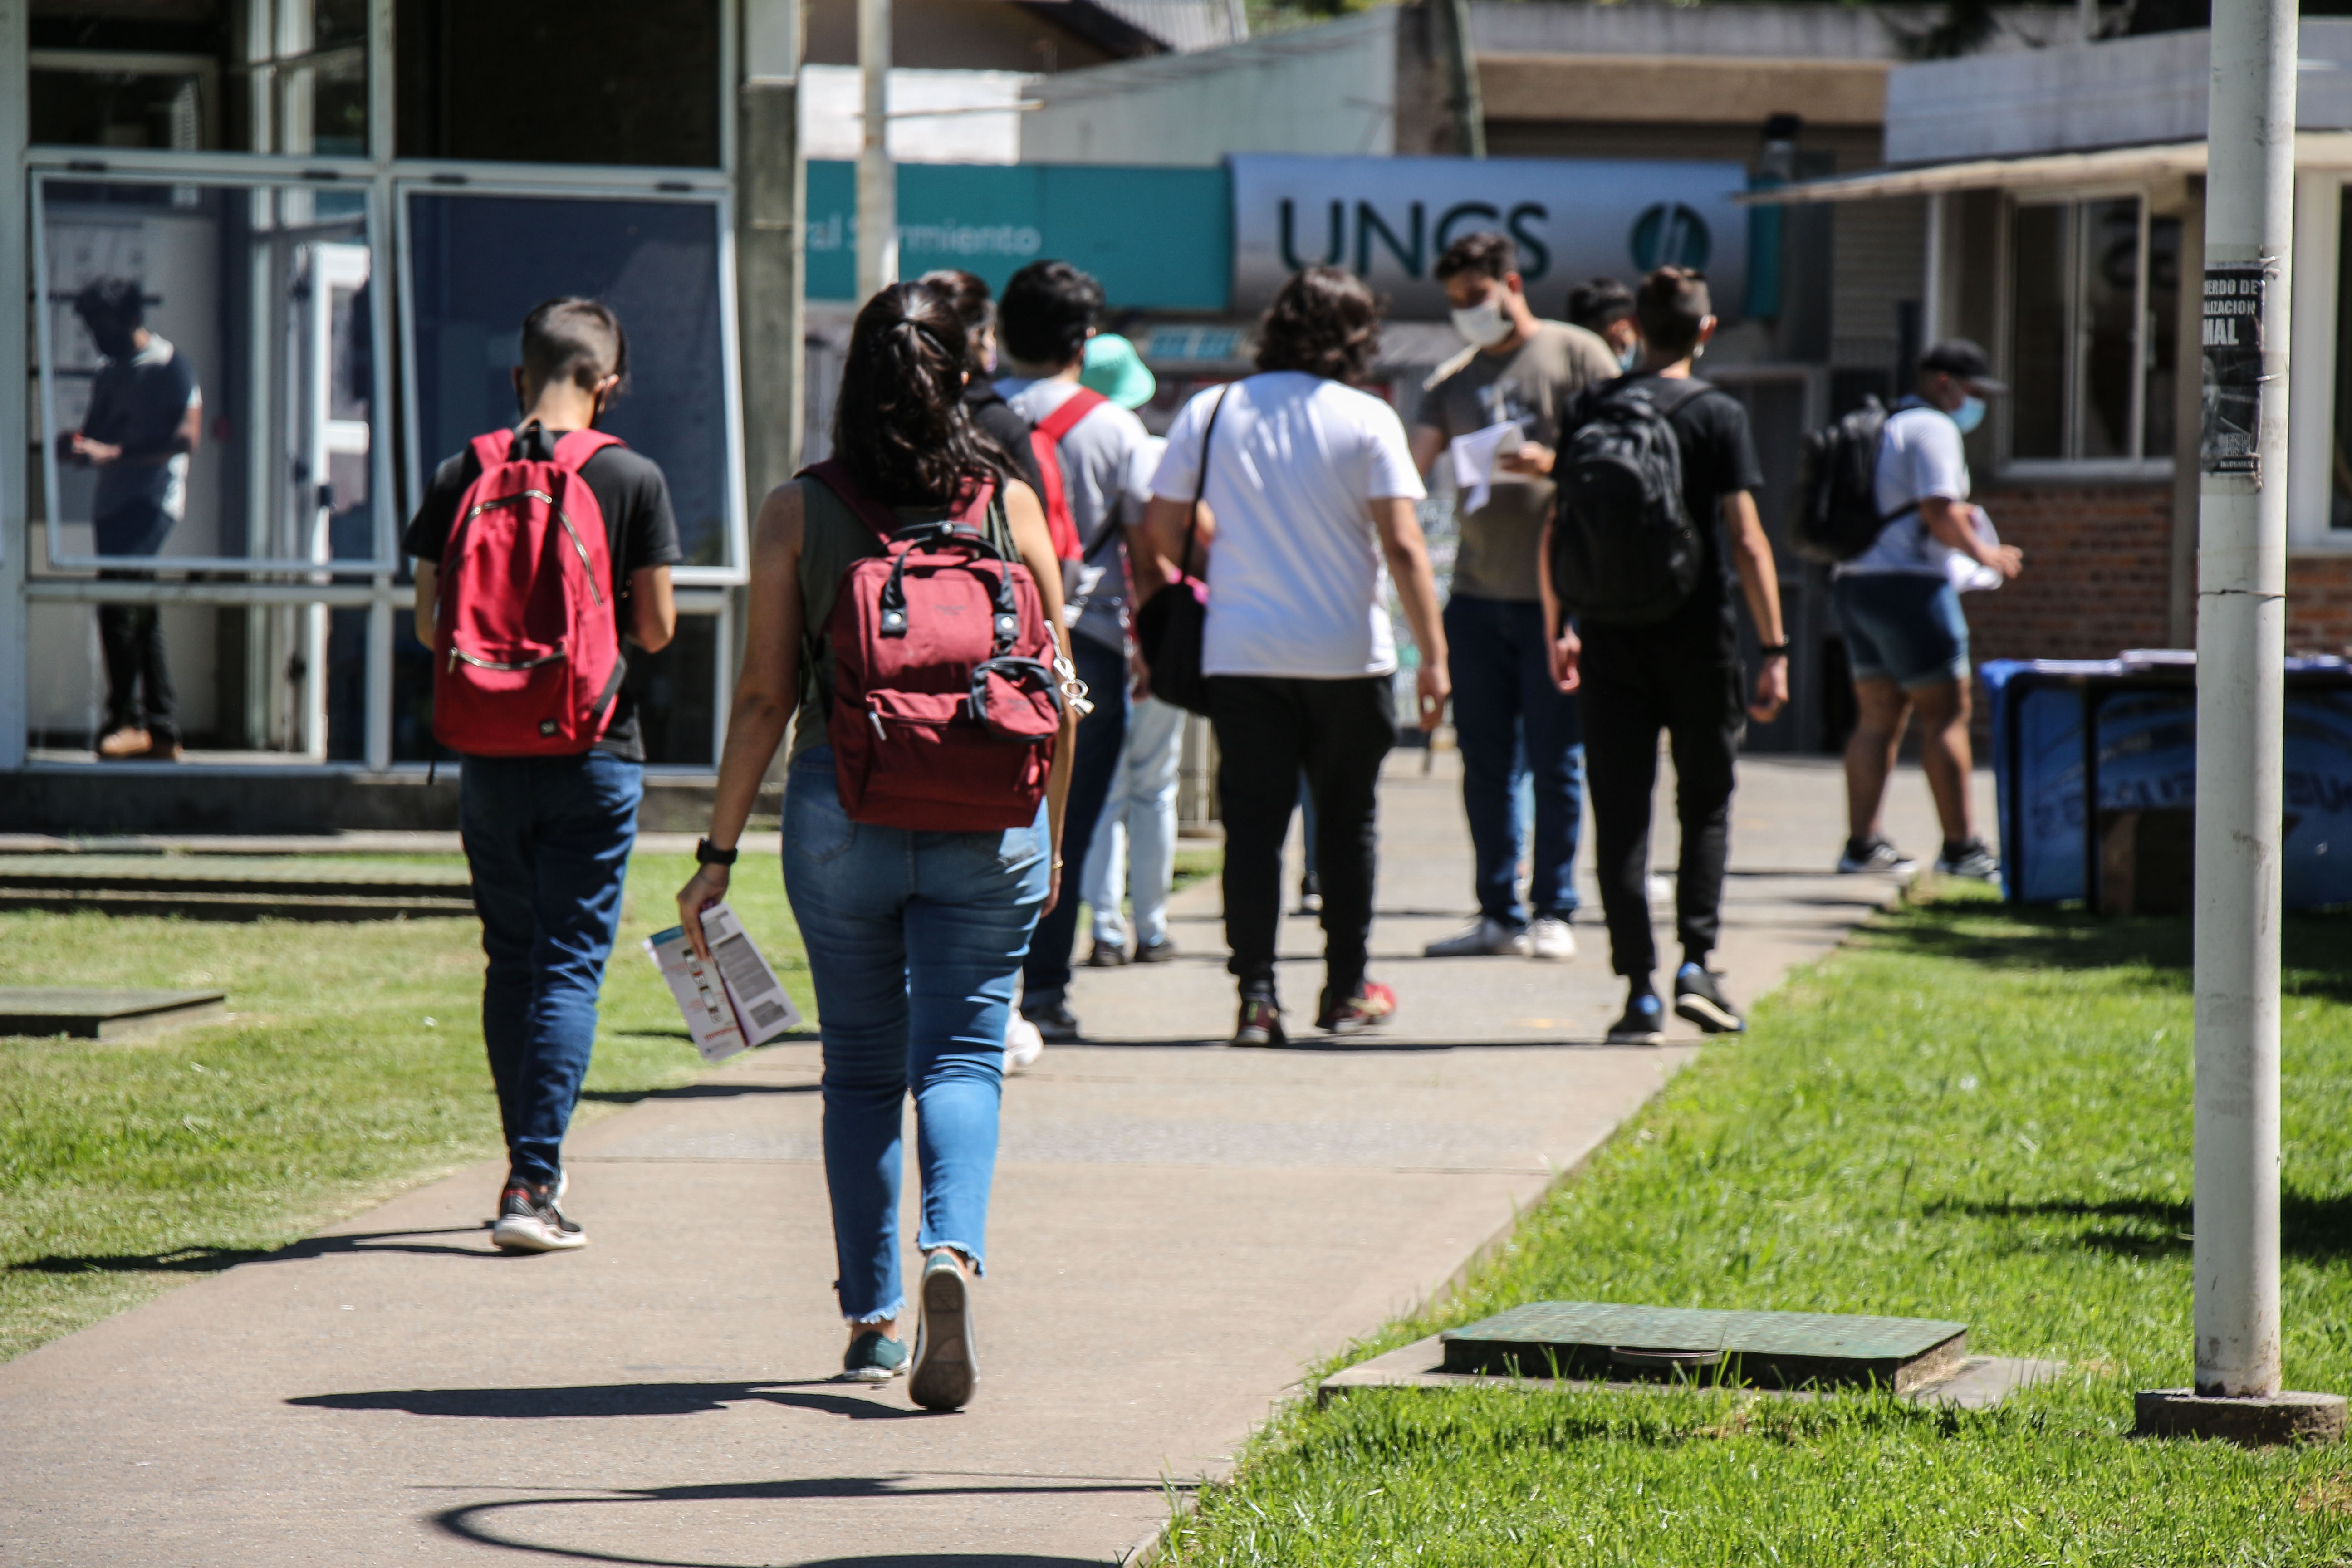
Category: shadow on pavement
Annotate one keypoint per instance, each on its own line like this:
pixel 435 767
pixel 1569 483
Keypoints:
pixel 695 1092
pixel 604 1399
pixel 213 1259
pixel 470 1522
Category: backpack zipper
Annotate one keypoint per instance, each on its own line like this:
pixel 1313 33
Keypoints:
pixel 581 549
pixel 455 654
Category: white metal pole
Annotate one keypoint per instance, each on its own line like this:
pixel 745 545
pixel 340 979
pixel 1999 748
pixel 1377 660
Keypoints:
pixel 2240 694
pixel 877 183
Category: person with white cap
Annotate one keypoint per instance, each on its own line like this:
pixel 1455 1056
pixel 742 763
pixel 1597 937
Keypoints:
pixel 1898 606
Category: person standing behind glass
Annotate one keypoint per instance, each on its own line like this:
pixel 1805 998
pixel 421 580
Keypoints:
pixel 914 938
pixel 145 420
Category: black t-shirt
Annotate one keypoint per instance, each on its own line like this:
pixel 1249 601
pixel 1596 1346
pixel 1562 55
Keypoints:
pixel 993 414
pixel 1718 455
pixel 640 531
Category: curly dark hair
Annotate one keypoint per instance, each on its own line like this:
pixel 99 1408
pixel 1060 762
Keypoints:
pixel 1325 322
pixel 1486 253
pixel 899 425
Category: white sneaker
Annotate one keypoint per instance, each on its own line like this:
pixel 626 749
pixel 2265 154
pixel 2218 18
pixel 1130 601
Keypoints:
pixel 1487 939
pixel 1550 938
pixel 1022 1045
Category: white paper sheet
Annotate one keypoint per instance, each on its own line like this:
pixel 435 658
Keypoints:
pixel 734 1003
pixel 1474 456
pixel 1966 575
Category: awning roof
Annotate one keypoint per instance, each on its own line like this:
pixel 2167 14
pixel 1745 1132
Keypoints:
pixel 2110 165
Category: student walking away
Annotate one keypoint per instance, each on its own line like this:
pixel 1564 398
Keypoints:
pixel 538 550
pixel 1604 307
pixel 1656 487
pixel 1309 485
pixel 924 804
pixel 1135 840
pixel 967 294
pixel 144 422
pixel 1523 372
pixel 1046 316
pixel 1898 606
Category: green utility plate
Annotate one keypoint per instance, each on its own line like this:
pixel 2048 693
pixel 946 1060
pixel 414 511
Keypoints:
pixel 1776 1350
pixel 103 1014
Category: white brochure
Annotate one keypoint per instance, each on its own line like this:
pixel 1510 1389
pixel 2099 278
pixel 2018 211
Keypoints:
pixel 1474 456
pixel 761 1005
pixel 733 1006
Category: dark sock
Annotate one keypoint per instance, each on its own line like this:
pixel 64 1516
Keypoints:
pixel 1639 986
pixel 1697 957
pixel 1954 849
pixel 1858 848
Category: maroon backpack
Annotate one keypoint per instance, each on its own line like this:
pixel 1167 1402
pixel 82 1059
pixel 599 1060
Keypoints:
pixel 526 650
pixel 945 707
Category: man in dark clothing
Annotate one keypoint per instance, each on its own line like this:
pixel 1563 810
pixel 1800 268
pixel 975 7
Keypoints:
pixel 1681 674
pixel 548 838
pixel 969 294
pixel 144 422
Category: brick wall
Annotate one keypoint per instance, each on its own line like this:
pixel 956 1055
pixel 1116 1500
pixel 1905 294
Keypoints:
pixel 2097 572
pixel 2319 604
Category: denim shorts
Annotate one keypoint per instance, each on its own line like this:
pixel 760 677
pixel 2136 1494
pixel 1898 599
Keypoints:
pixel 1902 627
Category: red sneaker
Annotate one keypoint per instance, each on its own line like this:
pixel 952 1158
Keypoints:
pixel 1372 1004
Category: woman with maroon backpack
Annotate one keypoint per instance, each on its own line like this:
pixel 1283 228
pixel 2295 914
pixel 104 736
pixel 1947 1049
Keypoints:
pixel 906 602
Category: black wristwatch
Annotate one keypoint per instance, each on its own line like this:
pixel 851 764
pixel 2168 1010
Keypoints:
pixel 1773 650
pixel 709 854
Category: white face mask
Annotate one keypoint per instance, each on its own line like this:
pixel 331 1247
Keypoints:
pixel 1627 355
pixel 1483 324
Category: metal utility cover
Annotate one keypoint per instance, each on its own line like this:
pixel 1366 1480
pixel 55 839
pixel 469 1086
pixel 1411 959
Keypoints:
pixel 1785 1349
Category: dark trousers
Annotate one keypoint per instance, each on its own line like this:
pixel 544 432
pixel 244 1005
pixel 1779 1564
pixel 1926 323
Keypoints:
pixel 548 841
pixel 1102 735
pixel 137 682
pixel 1637 681
pixel 1268 728
pixel 1503 689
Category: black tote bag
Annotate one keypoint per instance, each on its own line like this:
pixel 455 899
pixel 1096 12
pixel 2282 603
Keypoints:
pixel 1169 628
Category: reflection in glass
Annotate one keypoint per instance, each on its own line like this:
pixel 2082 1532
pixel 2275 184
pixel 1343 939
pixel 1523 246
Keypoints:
pixel 2038 346
pixel 2162 352
pixel 245 76
pixel 2339 510
pixel 480 263
pixel 2110 302
pixel 261 294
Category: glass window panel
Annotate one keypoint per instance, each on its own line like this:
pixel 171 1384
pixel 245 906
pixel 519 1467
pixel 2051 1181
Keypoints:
pixel 640 84
pixel 267 682
pixel 676 693
pixel 2161 350
pixel 2339 509
pixel 2107 327
pixel 2038 344
pixel 250 344
pixel 479 264
pixel 245 76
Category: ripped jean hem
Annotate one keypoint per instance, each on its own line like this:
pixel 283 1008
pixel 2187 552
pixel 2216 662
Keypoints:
pixel 968 1253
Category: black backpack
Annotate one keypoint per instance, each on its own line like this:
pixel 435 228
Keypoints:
pixel 1623 550
pixel 1833 513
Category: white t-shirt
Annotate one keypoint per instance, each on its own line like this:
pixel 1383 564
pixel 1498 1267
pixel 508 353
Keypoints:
pixel 1097 458
pixel 1920 455
pixel 1297 586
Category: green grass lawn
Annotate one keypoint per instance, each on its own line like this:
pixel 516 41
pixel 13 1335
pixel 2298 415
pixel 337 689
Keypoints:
pixel 1965 1113
pixel 351 1067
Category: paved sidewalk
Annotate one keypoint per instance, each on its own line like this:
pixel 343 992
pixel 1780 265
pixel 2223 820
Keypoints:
pixel 1178 1228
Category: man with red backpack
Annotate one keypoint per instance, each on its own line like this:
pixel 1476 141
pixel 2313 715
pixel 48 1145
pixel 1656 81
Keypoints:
pixel 538 551
pixel 1086 445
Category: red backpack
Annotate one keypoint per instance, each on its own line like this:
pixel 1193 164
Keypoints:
pixel 1045 443
pixel 526 650
pixel 945 707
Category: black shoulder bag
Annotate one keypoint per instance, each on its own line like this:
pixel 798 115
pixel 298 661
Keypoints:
pixel 1169 628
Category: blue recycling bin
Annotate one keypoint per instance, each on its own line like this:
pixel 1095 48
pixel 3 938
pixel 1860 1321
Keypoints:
pixel 2123 733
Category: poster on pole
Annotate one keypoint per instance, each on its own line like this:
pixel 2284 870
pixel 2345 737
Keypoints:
pixel 2233 333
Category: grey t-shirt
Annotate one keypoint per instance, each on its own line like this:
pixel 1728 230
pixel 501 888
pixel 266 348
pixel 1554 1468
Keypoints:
pixel 1530 385
pixel 1098 460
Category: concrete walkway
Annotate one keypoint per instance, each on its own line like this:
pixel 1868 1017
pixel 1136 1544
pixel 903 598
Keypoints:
pixel 1178 1229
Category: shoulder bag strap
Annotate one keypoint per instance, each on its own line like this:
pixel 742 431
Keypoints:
pixel 1200 484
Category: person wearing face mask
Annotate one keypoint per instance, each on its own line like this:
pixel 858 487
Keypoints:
pixel 1604 307
pixel 1522 371
pixel 1898 606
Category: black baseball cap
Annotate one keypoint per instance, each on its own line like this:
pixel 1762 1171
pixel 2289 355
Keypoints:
pixel 1963 360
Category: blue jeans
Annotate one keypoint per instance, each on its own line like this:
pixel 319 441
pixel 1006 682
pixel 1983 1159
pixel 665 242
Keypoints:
pixel 1906 628
pixel 548 841
pixel 913 940
pixel 1102 736
pixel 1503 695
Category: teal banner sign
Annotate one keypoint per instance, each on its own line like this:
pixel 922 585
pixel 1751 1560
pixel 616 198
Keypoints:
pixel 1159 240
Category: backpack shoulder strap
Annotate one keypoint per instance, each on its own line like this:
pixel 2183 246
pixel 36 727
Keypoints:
pixel 574 448
pixel 1075 407
pixel 492 449
pixel 1672 402
pixel 834 474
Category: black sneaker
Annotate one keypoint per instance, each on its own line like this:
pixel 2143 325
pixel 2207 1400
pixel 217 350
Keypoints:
pixel 1057 1024
pixel 1972 860
pixel 1107 955
pixel 1699 996
pixel 1644 1022
pixel 1158 952
pixel 1260 1022
pixel 529 1221
pixel 1875 854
